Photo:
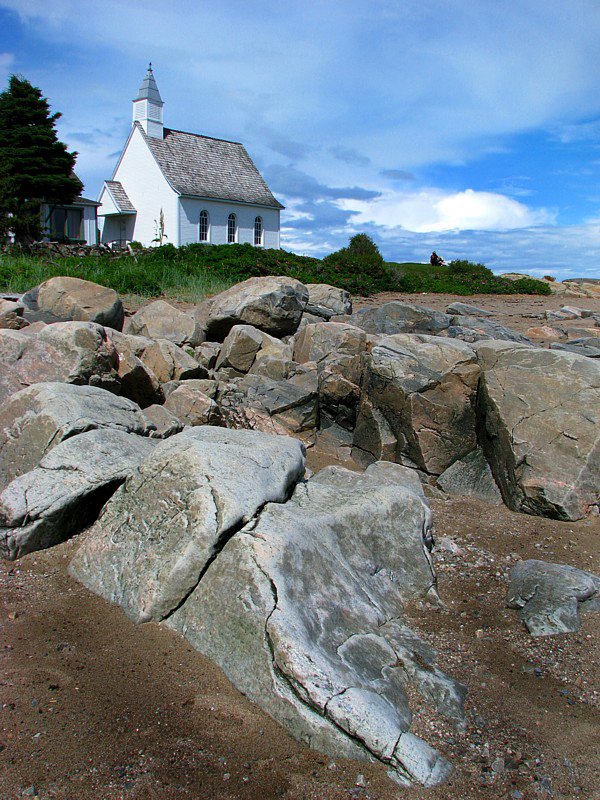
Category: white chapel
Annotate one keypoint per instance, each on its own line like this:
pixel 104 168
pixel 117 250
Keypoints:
pixel 180 188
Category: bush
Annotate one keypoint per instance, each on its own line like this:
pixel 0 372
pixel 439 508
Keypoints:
pixel 362 246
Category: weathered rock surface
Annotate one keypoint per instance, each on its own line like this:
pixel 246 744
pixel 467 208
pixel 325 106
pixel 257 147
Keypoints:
pixel 273 304
pixel 424 388
pixel 163 528
pixel 11 315
pixel 327 301
pixel 470 476
pixel 549 597
pixel 73 352
pixel 539 427
pixel 319 341
pixel 272 610
pixel 586 346
pixel 468 310
pixel 169 362
pixel 66 299
pixel 245 343
pixel 262 404
pixel 66 491
pixel 192 406
pixel 474 329
pixel 38 418
pixel 160 320
pixel 399 317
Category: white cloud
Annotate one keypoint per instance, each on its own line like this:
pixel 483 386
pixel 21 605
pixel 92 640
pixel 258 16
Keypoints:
pixel 435 210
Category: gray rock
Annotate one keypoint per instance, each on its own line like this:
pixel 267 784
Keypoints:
pixel 180 506
pixel 482 329
pixel 399 317
pixel 539 427
pixel 192 406
pixel 65 299
pixel 274 305
pixel 164 422
pixel 160 320
pixel 471 476
pixel 425 389
pixel 73 352
pixel 38 418
pixel 327 301
pixel 549 597
pixel 272 610
pixel 66 491
pixel 587 346
pixel 318 342
pixel 468 310
pixel 239 348
pixel 170 362
pixel 262 404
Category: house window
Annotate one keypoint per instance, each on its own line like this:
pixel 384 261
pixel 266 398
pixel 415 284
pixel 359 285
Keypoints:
pixel 231 229
pixel 203 231
pixel 258 232
pixel 65 224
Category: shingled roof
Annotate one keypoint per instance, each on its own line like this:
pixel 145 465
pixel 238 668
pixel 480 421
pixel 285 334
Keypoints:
pixel 119 195
pixel 200 166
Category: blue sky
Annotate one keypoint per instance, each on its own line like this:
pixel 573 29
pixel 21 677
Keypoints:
pixel 471 128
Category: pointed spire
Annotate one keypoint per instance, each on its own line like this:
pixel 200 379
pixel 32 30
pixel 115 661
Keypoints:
pixel 148 89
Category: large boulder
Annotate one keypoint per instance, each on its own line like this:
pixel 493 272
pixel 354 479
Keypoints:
pixel 540 428
pixel 424 387
pixel 66 491
pixel 38 418
pixel 192 406
pixel 475 329
pixel 303 610
pixel 161 320
pixel 259 403
pixel 316 342
pixel 64 298
pixel 181 505
pixel 274 305
pixel 327 301
pixel 549 597
pixel 73 352
pixel 169 362
pixel 400 317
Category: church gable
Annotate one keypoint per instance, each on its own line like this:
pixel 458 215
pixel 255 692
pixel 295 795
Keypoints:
pixel 196 184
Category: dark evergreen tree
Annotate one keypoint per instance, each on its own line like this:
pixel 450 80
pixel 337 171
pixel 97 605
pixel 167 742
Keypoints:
pixel 34 166
pixel 361 245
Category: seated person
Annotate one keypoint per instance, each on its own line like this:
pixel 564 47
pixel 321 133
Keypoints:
pixel 435 260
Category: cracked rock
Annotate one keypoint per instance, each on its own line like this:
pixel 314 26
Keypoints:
pixel 303 611
pixel 549 597
pixel 162 528
pixel 539 413
pixel 66 491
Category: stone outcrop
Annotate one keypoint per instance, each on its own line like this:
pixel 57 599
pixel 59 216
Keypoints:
pixel 160 320
pixel 274 305
pixel 71 352
pixel 191 494
pixel 11 315
pixel 260 588
pixel 38 418
pixel 66 491
pixel 327 301
pixel 399 317
pixel 549 597
pixel 65 298
pixel 419 402
pixel 539 412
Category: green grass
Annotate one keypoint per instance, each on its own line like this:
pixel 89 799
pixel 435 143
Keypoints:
pixel 196 271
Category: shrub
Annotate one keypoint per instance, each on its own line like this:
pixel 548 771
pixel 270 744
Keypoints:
pixel 362 246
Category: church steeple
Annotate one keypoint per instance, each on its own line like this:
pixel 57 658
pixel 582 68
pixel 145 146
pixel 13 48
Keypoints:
pixel 148 106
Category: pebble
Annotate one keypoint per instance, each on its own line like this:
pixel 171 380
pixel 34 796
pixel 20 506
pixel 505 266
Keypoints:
pixel 360 780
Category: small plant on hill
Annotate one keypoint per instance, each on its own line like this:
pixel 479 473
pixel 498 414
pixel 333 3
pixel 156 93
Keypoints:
pixel 362 246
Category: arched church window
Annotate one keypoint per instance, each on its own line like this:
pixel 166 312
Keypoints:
pixel 203 227
pixel 258 232
pixel 231 229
